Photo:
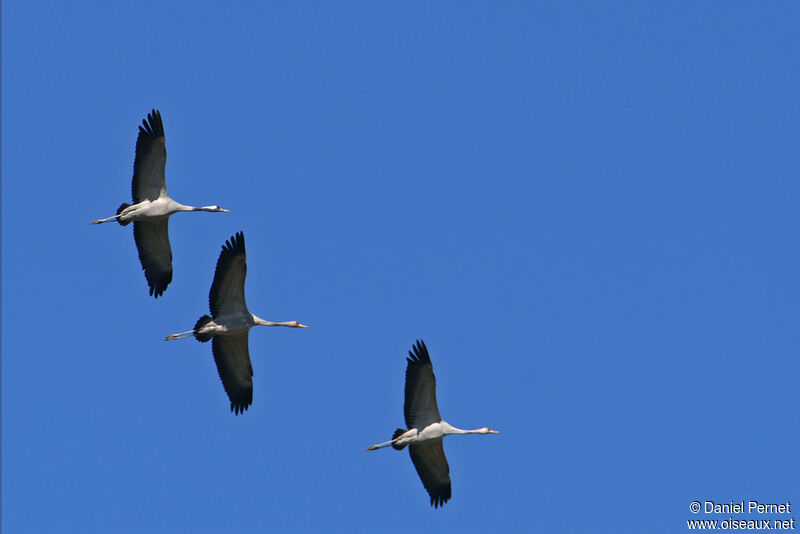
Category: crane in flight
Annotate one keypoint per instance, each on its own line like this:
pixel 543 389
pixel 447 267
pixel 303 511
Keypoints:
pixel 152 206
pixel 229 324
pixel 426 429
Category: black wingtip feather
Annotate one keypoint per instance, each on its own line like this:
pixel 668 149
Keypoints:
pixel 419 354
pixel 233 247
pixel 441 496
pixel 153 126
pixel 158 281
pixel 239 408
pixel 235 244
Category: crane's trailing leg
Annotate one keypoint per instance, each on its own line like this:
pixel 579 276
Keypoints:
pixel 179 336
pixel 379 446
pixel 197 331
pixel 116 217
pixel 101 221
pixel 397 442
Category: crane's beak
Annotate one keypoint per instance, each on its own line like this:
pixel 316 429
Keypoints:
pixel 223 209
pixel 301 325
pixel 493 431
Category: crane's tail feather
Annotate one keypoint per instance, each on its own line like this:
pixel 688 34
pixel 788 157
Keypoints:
pixel 120 209
pixel 201 322
pixel 397 433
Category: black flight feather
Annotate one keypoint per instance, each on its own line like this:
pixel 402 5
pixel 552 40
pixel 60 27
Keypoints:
pixel 232 357
pixel 420 407
pixel 155 254
pixel 233 250
pixel 151 132
pixel 433 470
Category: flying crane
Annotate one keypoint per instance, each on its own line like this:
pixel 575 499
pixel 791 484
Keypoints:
pixel 151 206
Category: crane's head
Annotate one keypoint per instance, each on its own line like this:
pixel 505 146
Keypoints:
pixel 295 324
pixel 217 208
pixel 486 430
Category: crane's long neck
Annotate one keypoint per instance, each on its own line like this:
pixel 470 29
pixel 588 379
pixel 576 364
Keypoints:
pixel 262 322
pixel 450 429
pixel 291 324
pixel 181 207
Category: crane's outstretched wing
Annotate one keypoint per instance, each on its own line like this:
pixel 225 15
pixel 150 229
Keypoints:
pixel 227 290
pixel 232 355
pixel 149 182
pixel 432 468
pixel 420 405
pixel 155 254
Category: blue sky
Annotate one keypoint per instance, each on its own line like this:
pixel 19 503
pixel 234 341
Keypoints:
pixel 588 212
